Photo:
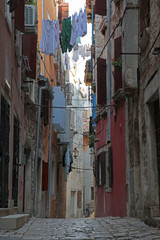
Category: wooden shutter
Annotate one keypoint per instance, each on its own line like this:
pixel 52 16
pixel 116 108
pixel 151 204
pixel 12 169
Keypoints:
pixel 101 81
pixel 100 7
pixel 19 15
pixel 103 168
pixel 46 111
pixel 12 5
pixel 144 14
pixel 45 176
pixel 29 49
pixel 45 106
pixel 110 167
pixel 96 171
pixel 63 11
pixel 117 54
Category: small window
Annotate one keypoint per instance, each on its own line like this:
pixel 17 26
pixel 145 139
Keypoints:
pixel 92 193
pixel 101 178
pixel 8 15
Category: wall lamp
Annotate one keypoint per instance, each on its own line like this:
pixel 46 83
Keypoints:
pixel 75 153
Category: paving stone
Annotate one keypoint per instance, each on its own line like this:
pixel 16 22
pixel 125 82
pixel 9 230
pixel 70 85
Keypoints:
pixel 83 229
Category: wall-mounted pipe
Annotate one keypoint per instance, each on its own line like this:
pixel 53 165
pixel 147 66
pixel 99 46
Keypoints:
pixel 37 144
pixel 108 73
pixel 49 163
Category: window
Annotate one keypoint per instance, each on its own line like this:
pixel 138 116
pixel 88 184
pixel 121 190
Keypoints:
pixel 117 72
pixel 100 7
pixel 144 15
pixel 92 193
pixel 101 178
pixel 19 15
pixel 29 51
pixel 101 81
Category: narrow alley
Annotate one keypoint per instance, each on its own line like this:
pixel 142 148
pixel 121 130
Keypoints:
pixel 83 229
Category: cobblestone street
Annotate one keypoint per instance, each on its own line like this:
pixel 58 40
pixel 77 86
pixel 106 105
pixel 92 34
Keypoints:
pixel 73 229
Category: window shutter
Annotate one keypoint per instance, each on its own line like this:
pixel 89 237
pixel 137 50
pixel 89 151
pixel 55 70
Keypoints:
pixel 103 168
pixel 46 112
pixel 96 171
pixel 101 81
pixel 63 11
pixel 110 167
pixel 29 49
pixel 100 7
pixel 19 15
pixel 117 54
pixel 45 106
pixel 144 14
pixel 45 176
pixel 12 5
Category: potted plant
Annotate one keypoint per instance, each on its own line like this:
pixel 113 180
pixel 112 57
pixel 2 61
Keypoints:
pixel 117 64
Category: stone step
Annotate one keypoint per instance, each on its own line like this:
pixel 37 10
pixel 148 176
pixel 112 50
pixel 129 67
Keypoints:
pixel 156 222
pixel 12 222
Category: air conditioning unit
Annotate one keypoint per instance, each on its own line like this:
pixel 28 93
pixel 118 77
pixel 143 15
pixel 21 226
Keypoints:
pixel 29 15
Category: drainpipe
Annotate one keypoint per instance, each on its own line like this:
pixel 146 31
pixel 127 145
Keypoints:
pixel 92 40
pixel 37 144
pixel 49 163
pixel 108 74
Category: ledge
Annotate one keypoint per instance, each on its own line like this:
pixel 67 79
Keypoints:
pixel 119 95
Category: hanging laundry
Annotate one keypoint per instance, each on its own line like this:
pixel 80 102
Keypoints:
pixel 67 62
pixel 66 34
pixel 78 41
pixel 75 56
pixel 50 36
pixel 84 23
pixel 56 44
pixel 73 32
pixel 78 31
pixel 80 23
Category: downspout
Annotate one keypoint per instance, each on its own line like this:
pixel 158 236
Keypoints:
pixel 37 145
pixel 49 162
pixel 108 74
pixel 92 40
pixel 43 53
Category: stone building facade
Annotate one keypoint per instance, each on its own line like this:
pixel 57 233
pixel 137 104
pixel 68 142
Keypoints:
pixel 137 23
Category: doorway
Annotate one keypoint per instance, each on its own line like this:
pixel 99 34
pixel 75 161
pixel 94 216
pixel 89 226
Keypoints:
pixel 4 151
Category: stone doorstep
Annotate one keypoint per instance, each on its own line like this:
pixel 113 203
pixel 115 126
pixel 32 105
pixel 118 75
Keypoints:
pixel 156 222
pixel 13 222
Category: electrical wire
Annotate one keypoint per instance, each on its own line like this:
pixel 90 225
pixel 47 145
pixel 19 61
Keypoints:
pixel 83 169
pixel 59 107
